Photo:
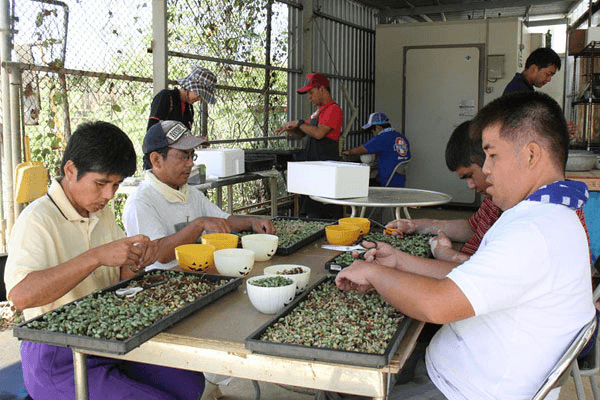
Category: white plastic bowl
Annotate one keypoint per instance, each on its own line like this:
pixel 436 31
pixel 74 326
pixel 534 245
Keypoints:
pixel 263 245
pixel 301 279
pixel 270 300
pixel 234 262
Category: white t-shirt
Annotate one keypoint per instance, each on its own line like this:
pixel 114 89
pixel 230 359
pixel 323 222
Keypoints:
pixel 148 212
pixel 529 284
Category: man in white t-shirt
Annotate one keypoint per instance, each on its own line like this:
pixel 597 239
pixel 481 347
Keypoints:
pixel 165 200
pixel 513 308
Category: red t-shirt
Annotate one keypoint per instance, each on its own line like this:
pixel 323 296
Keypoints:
pixel 480 222
pixel 331 114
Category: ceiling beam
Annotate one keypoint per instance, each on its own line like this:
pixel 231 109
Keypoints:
pixel 472 5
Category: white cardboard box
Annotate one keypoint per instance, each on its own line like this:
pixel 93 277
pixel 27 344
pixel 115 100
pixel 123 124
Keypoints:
pixel 592 34
pixel 221 162
pixel 333 179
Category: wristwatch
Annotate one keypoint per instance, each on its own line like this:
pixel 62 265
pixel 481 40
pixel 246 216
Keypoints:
pixel 300 122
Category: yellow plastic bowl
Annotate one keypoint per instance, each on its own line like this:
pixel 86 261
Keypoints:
pixel 221 240
pixel 363 223
pixel 342 235
pixel 195 257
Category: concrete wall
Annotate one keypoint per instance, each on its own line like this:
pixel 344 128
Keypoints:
pixel 500 35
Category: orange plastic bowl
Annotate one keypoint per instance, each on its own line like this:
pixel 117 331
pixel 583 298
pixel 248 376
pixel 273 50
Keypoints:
pixel 342 235
pixel 221 240
pixel 195 257
pixel 363 223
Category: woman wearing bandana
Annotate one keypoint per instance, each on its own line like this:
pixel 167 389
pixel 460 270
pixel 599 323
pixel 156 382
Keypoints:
pixel 177 104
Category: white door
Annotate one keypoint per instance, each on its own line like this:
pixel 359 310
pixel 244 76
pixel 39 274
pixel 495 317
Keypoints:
pixel 441 91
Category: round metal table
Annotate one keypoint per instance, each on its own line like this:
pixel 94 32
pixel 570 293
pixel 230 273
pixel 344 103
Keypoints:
pixel 390 197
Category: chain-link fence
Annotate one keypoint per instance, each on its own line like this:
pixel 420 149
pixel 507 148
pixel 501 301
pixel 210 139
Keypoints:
pixel 90 60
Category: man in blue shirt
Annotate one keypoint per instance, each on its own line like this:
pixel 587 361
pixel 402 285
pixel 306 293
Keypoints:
pixel 540 67
pixel 390 146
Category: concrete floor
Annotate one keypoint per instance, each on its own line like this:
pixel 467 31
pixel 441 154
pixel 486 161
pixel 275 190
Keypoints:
pixel 242 389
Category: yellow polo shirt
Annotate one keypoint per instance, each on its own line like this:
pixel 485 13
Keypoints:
pixel 50 232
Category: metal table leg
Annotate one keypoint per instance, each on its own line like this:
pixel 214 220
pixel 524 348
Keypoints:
pixel 81 377
pixel 273 188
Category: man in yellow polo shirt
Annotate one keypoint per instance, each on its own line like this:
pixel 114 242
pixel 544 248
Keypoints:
pixel 64 246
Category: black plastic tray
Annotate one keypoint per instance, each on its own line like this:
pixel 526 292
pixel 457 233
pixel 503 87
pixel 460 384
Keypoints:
pixel 256 162
pixel 22 332
pixel 286 251
pixel 254 343
pixel 334 267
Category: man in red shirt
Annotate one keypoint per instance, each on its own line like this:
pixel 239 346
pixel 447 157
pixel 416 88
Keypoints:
pixel 324 126
pixel 323 131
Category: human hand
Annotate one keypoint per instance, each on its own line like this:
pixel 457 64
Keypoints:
pixel 402 226
pixel 439 244
pixel 212 224
pixel 137 251
pixel 382 254
pixel 572 127
pixel 354 277
pixel 262 225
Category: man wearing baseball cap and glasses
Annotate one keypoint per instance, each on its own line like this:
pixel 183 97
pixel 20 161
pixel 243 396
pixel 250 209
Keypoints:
pixel 176 104
pixel 164 200
pixel 322 130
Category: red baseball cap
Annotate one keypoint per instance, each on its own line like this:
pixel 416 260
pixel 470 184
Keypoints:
pixel 312 81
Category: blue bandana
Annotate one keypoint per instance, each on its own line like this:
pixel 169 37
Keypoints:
pixel 572 194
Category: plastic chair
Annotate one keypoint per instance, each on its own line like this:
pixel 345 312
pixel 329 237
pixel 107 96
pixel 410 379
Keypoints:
pixel 590 364
pixel 399 169
pixel 568 364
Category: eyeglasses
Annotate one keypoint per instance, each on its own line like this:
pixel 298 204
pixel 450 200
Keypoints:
pixel 186 156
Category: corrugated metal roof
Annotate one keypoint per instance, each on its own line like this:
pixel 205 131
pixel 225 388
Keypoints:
pixel 391 11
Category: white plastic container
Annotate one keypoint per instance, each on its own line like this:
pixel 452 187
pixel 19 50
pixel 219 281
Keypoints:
pixel 592 34
pixel 221 162
pixel 332 179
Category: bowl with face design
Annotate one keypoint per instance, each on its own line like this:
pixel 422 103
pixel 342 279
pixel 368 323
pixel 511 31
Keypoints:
pixel 263 245
pixel 234 262
pixel 269 294
pixel 195 257
pixel 299 272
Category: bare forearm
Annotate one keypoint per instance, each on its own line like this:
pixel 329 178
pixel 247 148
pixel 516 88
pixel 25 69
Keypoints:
pixel 458 230
pixel 421 297
pixel 167 244
pixel 450 255
pixel 43 287
pixel 240 223
pixel 317 132
pixel 425 266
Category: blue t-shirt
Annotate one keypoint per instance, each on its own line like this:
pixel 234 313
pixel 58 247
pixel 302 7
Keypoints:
pixel 391 148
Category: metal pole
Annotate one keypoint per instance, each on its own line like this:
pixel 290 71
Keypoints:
pixel 81 377
pixel 160 68
pixel 15 124
pixel 7 172
pixel 307 47
pixel 267 71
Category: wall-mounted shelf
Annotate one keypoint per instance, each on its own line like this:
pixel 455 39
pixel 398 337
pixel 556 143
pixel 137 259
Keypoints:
pixel 586 83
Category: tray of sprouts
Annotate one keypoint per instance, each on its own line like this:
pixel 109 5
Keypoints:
pixel 416 244
pixel 295 233
pixel 331 325
pixel 125 315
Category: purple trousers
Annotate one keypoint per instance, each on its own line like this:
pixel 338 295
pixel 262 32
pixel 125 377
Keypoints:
pixel 48 374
